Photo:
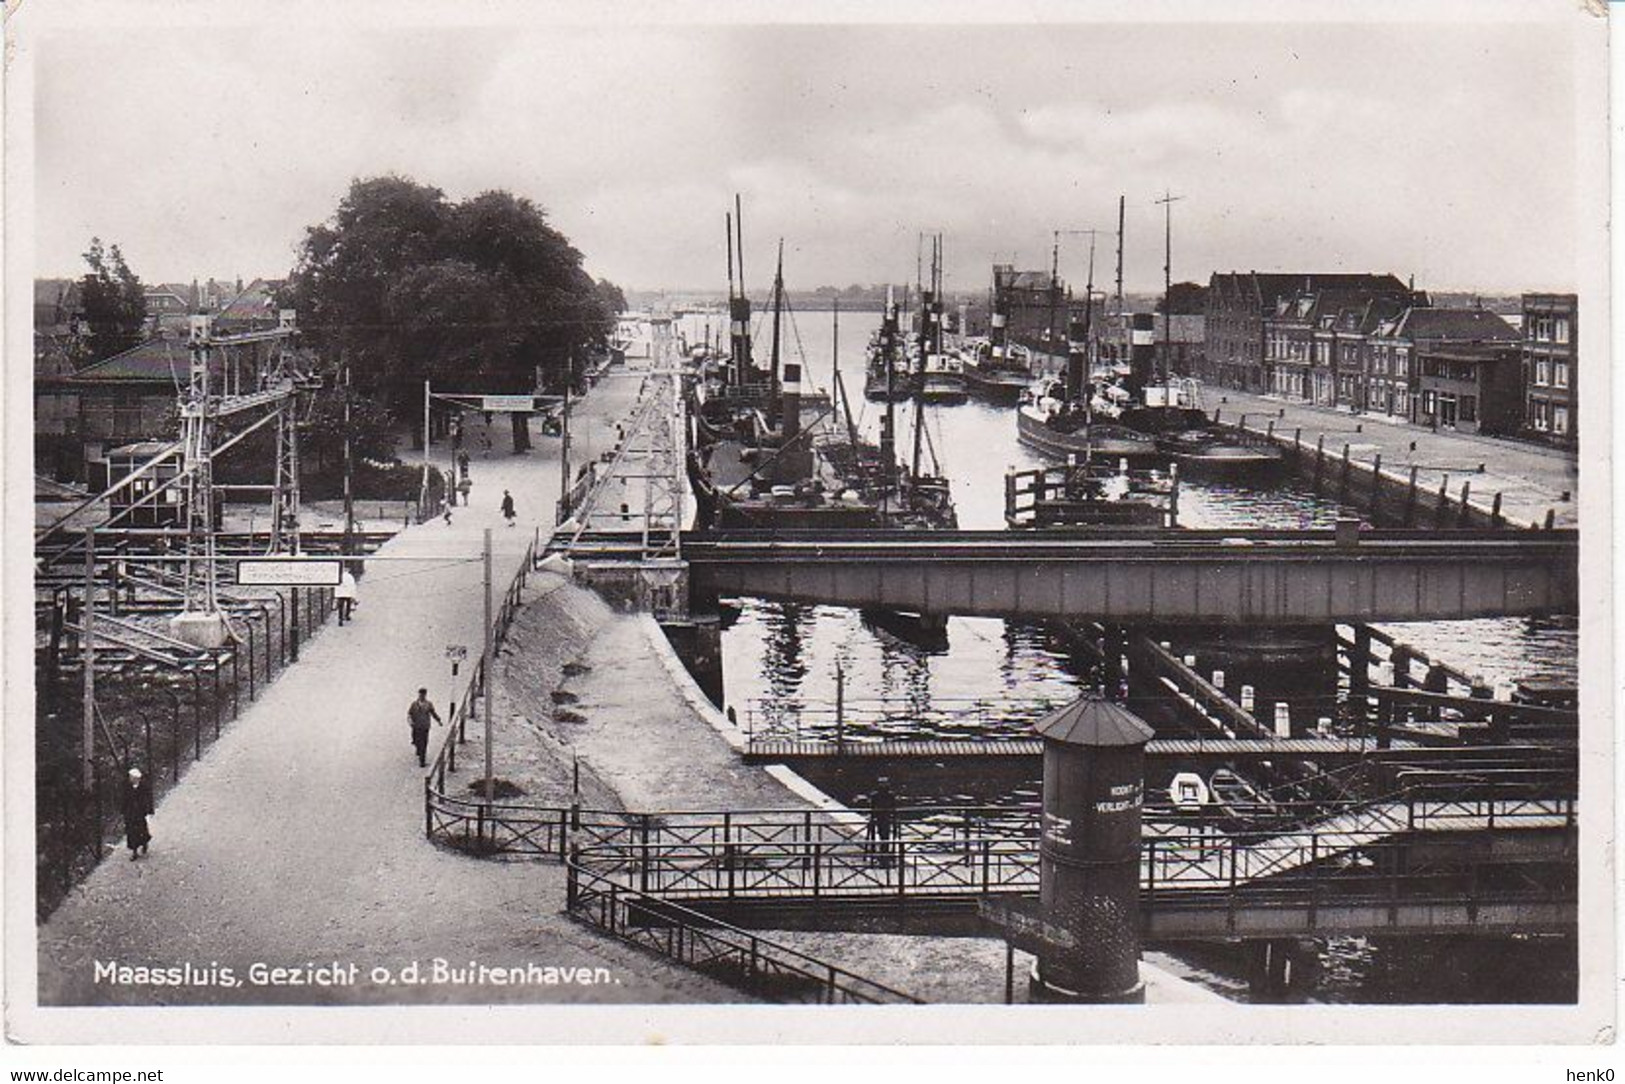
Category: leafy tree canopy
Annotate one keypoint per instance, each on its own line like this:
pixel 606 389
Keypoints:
pixel 1188 299
pixel 114 303
pixel 477 296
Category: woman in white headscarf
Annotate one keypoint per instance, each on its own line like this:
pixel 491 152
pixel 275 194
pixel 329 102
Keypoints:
pixel 137 808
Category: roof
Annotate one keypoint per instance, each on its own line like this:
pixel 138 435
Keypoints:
pixel 1008 278
pixel 54 291
pixel 1472 325
pixel 1092 720
pixel 254 304
pixel 159 360
pixel 1268 287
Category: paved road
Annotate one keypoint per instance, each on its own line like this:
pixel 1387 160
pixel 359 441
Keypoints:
pixel 299 838
pixel 1531 479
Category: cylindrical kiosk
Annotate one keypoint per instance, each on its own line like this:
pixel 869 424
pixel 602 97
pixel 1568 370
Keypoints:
pixel 1089 855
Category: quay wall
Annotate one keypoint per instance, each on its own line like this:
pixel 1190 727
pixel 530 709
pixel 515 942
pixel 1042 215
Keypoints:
pixel 1391 496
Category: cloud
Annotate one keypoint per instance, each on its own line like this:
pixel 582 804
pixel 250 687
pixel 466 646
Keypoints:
pixel 210 151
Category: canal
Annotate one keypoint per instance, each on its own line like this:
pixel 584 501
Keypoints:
pixel 782 662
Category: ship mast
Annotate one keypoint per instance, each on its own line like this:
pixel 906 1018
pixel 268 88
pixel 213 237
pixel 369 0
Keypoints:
pixel 923 341
pixel 1054 288
pixel 1165 368
pixel 774 391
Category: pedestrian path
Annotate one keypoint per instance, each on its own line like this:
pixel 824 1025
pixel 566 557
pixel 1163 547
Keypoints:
pixel 1531 479
pixel 299 838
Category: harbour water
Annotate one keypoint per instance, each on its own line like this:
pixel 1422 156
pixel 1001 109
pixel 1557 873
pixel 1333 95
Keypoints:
pixel 785 657
pixel 780 661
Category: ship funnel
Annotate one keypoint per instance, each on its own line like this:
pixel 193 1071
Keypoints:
pixel 1142 354
pixel 1077 359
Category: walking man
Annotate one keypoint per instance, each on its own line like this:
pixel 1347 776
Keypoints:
pixel 345 594
pixel 137 808
pixel 508 512
pixel 462 464
pixel 419 715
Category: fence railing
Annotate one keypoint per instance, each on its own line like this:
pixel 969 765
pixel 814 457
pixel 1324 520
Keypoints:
pixel 716 862
pixel 449 818
pixel 727 953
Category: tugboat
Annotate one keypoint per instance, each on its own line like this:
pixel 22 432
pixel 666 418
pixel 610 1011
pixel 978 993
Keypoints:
pixel 942 375
pixel 1053 425
pixel 999 377
pixel 1060 419
pixel 943 380
pixel 889 377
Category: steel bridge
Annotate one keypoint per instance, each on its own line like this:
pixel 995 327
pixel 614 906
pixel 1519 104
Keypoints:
pixel 1151 577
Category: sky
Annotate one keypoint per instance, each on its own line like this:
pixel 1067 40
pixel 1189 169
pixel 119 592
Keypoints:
pixel 1435 149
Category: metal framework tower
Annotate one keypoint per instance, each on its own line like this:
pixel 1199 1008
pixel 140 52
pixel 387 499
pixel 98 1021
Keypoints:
pixel 224 383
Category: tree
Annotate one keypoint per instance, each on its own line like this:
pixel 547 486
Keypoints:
pixel 482 295
pixel 114 304
pixel 611 296
pixel 1189 299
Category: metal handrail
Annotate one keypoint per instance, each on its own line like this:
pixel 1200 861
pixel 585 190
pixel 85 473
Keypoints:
pixel 699 940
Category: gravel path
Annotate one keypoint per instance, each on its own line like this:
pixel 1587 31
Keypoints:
pixel 299 839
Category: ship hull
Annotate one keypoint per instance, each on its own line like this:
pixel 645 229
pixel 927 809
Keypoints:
pixel 944 388
pixel 1092 441
pixel 1000 387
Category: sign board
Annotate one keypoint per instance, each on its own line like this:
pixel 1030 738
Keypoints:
pixel 1022 924
pixel 456 652
pixel 508 403
pixel 1188 791
pixel 288 572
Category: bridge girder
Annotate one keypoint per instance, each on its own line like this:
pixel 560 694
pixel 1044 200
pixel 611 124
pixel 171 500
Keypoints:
pixel 1237 579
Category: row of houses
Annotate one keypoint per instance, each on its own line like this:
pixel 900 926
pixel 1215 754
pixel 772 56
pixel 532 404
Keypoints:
pixel 1373 344
pixel 59 313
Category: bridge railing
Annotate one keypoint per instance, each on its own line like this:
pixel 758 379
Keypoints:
pixel 725 952
pixel 702 864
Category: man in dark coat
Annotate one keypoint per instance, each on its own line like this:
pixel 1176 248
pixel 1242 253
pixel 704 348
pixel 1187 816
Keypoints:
pixel 507 507
pixel 883 818
pixel 137 808
pixel 419 714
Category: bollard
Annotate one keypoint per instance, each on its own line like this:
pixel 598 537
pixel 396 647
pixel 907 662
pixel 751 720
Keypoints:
pixel 1089 854
pixel 1400 656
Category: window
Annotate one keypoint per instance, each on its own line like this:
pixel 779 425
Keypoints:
pixel 1560 374
pixel 1540 415
pixel 1560 329
pixel 1469 408
pixel 1543 373
pixel 1429 403
pixel 1560 420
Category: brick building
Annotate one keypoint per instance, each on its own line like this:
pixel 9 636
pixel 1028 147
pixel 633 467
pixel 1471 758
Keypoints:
pixel 1443 366
pixel 1033 303
pixel 1549 362
pixel 1239 303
